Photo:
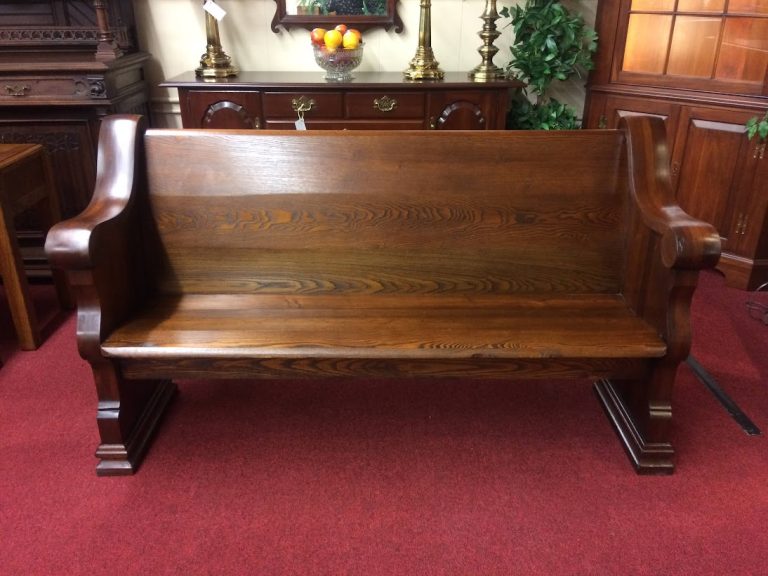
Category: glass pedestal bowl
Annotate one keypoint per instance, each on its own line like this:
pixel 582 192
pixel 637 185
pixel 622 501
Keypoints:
pixel 339 63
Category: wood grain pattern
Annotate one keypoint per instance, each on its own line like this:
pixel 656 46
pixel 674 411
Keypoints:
pixel 403 368
pixel 385 212
pixel 238 326
pixel 226 254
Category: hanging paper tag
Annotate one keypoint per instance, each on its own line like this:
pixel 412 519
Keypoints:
pixel 300 125
pixel 214 9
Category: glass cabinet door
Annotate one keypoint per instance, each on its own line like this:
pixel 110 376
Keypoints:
pixel 694 43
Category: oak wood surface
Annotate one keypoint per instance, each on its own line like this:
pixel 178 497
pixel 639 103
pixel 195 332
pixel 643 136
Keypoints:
pixel 253 254
pixel 382 212
pixel 269 326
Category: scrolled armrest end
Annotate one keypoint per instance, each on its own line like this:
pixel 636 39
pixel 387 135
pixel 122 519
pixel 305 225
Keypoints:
pixel 694 246
pixel 67 246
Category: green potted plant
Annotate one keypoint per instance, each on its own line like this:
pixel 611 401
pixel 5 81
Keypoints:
pixel 757 126
pixel 550 44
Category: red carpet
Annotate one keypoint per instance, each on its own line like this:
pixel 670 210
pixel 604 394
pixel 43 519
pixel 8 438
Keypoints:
pixel 386 477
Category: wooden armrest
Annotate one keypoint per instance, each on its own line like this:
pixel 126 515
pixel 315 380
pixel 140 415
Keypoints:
pixel 70 243
pixel 101 248
pixel 686 242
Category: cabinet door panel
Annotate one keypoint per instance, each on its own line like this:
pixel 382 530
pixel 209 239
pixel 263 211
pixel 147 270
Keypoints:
pixel 711 150
pixel 617 107
pixel 749 237
pixel 237 110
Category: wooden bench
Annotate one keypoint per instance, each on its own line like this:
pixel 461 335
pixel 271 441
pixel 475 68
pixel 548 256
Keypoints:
pixel 233 254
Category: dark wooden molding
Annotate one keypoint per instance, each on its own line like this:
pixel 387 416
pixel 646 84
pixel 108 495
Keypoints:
pixel 390 21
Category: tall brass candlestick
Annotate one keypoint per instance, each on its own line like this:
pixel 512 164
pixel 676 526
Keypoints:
pixel 423 65
pixel 486 70
pixel 214 63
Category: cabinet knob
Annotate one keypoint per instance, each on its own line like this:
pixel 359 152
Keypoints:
pixel 432 123
pixel 16 90
pixel 384 104
pixel 675 168
pixel 302 104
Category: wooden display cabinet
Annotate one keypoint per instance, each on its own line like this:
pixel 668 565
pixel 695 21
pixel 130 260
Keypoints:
pixel 64 65
pixel 384 100
pixel 702 66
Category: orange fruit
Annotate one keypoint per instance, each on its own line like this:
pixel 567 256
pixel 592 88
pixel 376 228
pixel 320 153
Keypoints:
pixel 332 39
pixel 341 28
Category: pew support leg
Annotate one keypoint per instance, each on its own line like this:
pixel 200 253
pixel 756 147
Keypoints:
pixel 129 413
pixel 641 423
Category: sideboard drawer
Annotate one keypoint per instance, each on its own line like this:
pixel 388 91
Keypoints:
pixel 32 88
pixel 315 104
pixel 385 105
pixel 348 125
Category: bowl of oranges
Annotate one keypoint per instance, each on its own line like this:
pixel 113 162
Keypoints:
pixel 337 51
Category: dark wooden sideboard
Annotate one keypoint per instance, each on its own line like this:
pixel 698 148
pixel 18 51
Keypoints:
pixel 372 100
pixel 64 65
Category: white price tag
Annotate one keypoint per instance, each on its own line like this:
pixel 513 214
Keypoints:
pixel 300 125
pixel 214 9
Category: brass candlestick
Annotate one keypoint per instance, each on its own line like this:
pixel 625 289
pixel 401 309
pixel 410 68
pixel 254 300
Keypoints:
pixel 486 70
pixel 423 65
pixel 214 63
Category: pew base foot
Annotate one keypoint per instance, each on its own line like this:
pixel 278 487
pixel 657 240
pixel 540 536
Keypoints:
pixel 648 458
pixel 124 458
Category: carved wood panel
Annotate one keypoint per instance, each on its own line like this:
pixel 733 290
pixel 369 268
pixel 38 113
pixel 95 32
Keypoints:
pixel 63 22
pixel 223 110
pixel 461 111
pixel 71 146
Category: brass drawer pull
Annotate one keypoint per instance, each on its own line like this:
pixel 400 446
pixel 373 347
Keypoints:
pixel 384 104
pixel 302 104
pixel 17 91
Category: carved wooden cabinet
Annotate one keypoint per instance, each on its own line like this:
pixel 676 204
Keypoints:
pixel 702 66
pixel 64 65
pixel 274 100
